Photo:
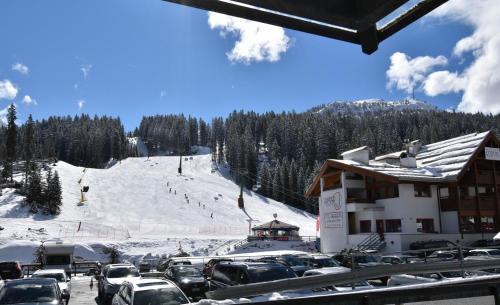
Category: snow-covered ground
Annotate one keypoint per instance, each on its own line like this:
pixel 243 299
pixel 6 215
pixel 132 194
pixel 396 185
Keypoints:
pixel 143 206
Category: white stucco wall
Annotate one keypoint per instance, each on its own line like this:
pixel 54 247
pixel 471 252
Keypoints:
pixel 408 208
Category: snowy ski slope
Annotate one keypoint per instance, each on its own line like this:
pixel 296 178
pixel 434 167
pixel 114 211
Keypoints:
pixel 133 199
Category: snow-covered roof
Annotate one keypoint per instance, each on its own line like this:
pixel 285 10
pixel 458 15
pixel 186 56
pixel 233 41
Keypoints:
pixel 354 150
pixel 440 161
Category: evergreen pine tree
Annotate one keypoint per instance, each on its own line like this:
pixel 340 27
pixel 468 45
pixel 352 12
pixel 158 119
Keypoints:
pixel 10 144
pixel 34 192
pixel 54 193
pixel 28 146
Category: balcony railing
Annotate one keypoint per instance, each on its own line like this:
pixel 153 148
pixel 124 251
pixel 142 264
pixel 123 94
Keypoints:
pixel 487 203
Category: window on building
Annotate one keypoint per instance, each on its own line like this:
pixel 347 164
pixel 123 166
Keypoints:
pixel 468 224
pixel 488 224
pixel 393 191
pixel 365 226
pixel 393 225
pixel 422 190
pixel 444 193
pixel 425 225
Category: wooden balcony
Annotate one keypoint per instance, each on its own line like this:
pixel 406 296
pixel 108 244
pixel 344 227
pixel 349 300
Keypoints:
pixel 468 204
pixel 487 203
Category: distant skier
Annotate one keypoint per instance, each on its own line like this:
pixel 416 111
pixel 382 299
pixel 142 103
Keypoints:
pixel 199 204
pixel 175 192
pixel 203 206
pixel 170 190
pixel 168 183
pixel 187 201
pixel 212 215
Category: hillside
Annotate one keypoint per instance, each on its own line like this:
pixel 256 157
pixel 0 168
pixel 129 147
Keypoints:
pixel 373 105
pixel 131 200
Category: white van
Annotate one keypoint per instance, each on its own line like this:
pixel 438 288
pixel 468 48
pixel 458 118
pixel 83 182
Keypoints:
pixel 58 255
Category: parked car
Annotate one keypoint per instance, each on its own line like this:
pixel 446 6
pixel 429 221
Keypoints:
pixel 296 263
pixel 398 259
pixel 112 276
pixel 316 261
pixel 10 270
pixel 189 279
pixel 418 248
pixel 149 292
pixel 493 253
pixel 32 291
pixel 407 279
pixel 360 285
pixel 165 263
pixel 484 243
pixel 59 275
pixel 207 269
pixel 240 273
pixel 144 267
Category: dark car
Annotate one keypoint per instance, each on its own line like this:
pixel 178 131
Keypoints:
pixel 38 291
pixel 240 273
pixel 207 270
pixel 297 263
pixel 10 270
pixel 427 247
pixel 144 267
pixel 189 279
pixel 165 263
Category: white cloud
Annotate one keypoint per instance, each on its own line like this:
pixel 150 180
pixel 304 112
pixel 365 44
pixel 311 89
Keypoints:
pixel 19 67
pixel 406 73
pixel 29 101
pixel 3 116
pixel 442 82
pixel 479 81
pixel 256 41
pixel 7 90
pixel 80 103
pixel 85 70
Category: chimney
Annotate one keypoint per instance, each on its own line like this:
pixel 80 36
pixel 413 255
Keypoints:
pixel 407 160
pixel 360 154
pixel 413 147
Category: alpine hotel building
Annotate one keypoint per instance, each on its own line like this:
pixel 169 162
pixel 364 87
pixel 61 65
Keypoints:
pixel 444 190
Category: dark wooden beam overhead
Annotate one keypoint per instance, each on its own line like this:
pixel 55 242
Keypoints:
pixel 353 21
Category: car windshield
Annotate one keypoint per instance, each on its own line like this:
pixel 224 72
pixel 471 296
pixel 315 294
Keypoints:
pixel 366 259
pixel 28 293
pixel 123 272
pixel 186 272
pixel 494 252
pixel 270 274
pixel 58 276
pixel 294 261
pixel 58 260
pixel 164 296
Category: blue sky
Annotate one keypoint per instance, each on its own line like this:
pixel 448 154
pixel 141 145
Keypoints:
pixel 131 58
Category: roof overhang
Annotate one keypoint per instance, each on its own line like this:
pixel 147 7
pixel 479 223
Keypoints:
pixel 332 169
pixel 352 21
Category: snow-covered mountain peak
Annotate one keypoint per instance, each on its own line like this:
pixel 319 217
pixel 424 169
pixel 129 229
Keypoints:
pixel 373 105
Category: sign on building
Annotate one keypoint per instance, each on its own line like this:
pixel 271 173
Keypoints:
pixel 492 153
pixel 333 213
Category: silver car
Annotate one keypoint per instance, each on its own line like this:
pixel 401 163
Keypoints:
pixel 149 291
pixel 112 276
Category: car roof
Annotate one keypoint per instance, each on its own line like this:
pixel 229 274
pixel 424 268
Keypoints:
pixel 119 265
pixel 477 250
pixel 49 271
pixel 35 281
pixel 328 270
pixel 148 284
pixel 252 264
